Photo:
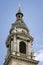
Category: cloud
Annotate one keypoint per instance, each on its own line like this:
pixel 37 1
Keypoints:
pixel 39 56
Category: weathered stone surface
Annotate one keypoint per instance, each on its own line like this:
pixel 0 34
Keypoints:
pixel 19 44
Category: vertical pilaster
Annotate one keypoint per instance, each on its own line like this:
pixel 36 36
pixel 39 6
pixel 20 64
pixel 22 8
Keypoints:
pixel 15 43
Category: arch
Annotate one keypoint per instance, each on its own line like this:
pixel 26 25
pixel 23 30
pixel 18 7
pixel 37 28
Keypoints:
pixel 22 47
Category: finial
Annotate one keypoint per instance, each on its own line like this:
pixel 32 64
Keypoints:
pixel 19 8
pixel 19 11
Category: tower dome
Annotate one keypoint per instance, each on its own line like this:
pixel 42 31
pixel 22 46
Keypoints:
pixel 19 23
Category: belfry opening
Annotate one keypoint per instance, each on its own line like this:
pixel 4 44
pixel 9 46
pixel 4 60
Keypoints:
pixel 22 47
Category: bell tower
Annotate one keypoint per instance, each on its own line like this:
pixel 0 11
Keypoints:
pixel 19 44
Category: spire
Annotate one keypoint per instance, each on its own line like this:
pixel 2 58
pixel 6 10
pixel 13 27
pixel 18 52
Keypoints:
pixel 19 8
pixel 19 13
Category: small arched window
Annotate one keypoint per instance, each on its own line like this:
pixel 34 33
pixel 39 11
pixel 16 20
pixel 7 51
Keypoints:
pixel 22 47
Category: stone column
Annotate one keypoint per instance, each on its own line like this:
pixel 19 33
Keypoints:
pixel 29 50
pixel 18 52
pixel 15 43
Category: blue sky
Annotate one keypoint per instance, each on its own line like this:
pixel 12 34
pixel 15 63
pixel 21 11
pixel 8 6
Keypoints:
pixel 33 17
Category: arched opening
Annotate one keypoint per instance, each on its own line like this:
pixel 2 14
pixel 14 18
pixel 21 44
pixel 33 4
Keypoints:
pixel 22 47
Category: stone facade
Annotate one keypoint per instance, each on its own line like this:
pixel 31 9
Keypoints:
pixel 19 44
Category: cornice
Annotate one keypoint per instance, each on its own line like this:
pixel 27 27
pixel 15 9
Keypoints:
pixel 19 58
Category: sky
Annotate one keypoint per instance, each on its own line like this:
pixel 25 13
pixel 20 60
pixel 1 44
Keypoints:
pixel 33 17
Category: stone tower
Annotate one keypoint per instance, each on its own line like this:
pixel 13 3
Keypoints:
pixel 19 44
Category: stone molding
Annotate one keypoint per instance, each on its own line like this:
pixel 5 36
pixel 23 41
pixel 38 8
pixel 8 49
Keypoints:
pixel 19 58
